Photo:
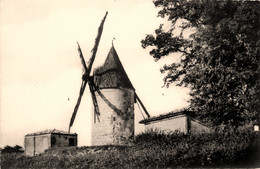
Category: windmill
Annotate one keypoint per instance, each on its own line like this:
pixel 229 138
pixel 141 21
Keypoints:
pixel 113 97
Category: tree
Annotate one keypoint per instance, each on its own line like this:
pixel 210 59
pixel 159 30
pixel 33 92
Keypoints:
pixel 219 60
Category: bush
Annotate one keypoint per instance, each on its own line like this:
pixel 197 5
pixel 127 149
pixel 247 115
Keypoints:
pixel 223 148
pixel 13 149
pixel 155 149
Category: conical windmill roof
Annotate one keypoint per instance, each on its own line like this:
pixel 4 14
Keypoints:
pixel 112 73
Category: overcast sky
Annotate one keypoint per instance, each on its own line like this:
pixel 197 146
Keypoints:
pixel 41 70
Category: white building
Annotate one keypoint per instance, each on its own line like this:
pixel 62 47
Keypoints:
pixel 175 122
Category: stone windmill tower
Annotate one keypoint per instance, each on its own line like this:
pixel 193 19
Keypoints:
pixel 113 97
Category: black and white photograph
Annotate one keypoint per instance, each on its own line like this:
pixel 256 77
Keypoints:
pixel 129 84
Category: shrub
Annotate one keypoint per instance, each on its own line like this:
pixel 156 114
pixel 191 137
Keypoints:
pixel 9 149
pixel 155 149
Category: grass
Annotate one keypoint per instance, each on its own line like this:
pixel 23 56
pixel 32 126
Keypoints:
pixel 153 149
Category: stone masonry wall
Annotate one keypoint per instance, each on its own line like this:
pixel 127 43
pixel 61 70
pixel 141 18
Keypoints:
pixel 60 140
pixel 177 123
pixel 198 128
pixel 116 120
pixel 29 145
pixel 37 144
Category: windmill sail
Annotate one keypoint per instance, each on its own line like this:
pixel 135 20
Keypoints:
pixel 82 59
pixel 82 89
pixel 87 70
pixel 94 50
pixel 142 105
pixel 94 99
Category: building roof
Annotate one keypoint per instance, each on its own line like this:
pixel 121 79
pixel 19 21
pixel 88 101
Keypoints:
pixel 50 131
pixel 183 112
pixel 112 73
pixel 165 116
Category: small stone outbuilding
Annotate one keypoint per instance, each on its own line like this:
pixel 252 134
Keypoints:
pixel 38 142
pixel 179 122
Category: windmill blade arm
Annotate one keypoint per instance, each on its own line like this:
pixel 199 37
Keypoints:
pixel 82 59
pixel 142 105
pixel 94 50
pixel 94 99
pixel 82 89
pixel 87 70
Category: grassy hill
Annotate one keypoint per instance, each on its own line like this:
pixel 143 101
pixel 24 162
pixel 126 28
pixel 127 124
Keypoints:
pixel 152 150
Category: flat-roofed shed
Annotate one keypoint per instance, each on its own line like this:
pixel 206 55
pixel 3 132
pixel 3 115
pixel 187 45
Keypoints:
pixel 176 121
pixel 38 142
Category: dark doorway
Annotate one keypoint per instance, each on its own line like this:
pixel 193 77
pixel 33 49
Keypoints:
pixel 71 142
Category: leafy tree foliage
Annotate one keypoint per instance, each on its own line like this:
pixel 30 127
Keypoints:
pixel 219 60
pixel 9 149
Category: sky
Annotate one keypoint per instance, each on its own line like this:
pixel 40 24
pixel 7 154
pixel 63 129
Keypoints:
pixel 41 72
